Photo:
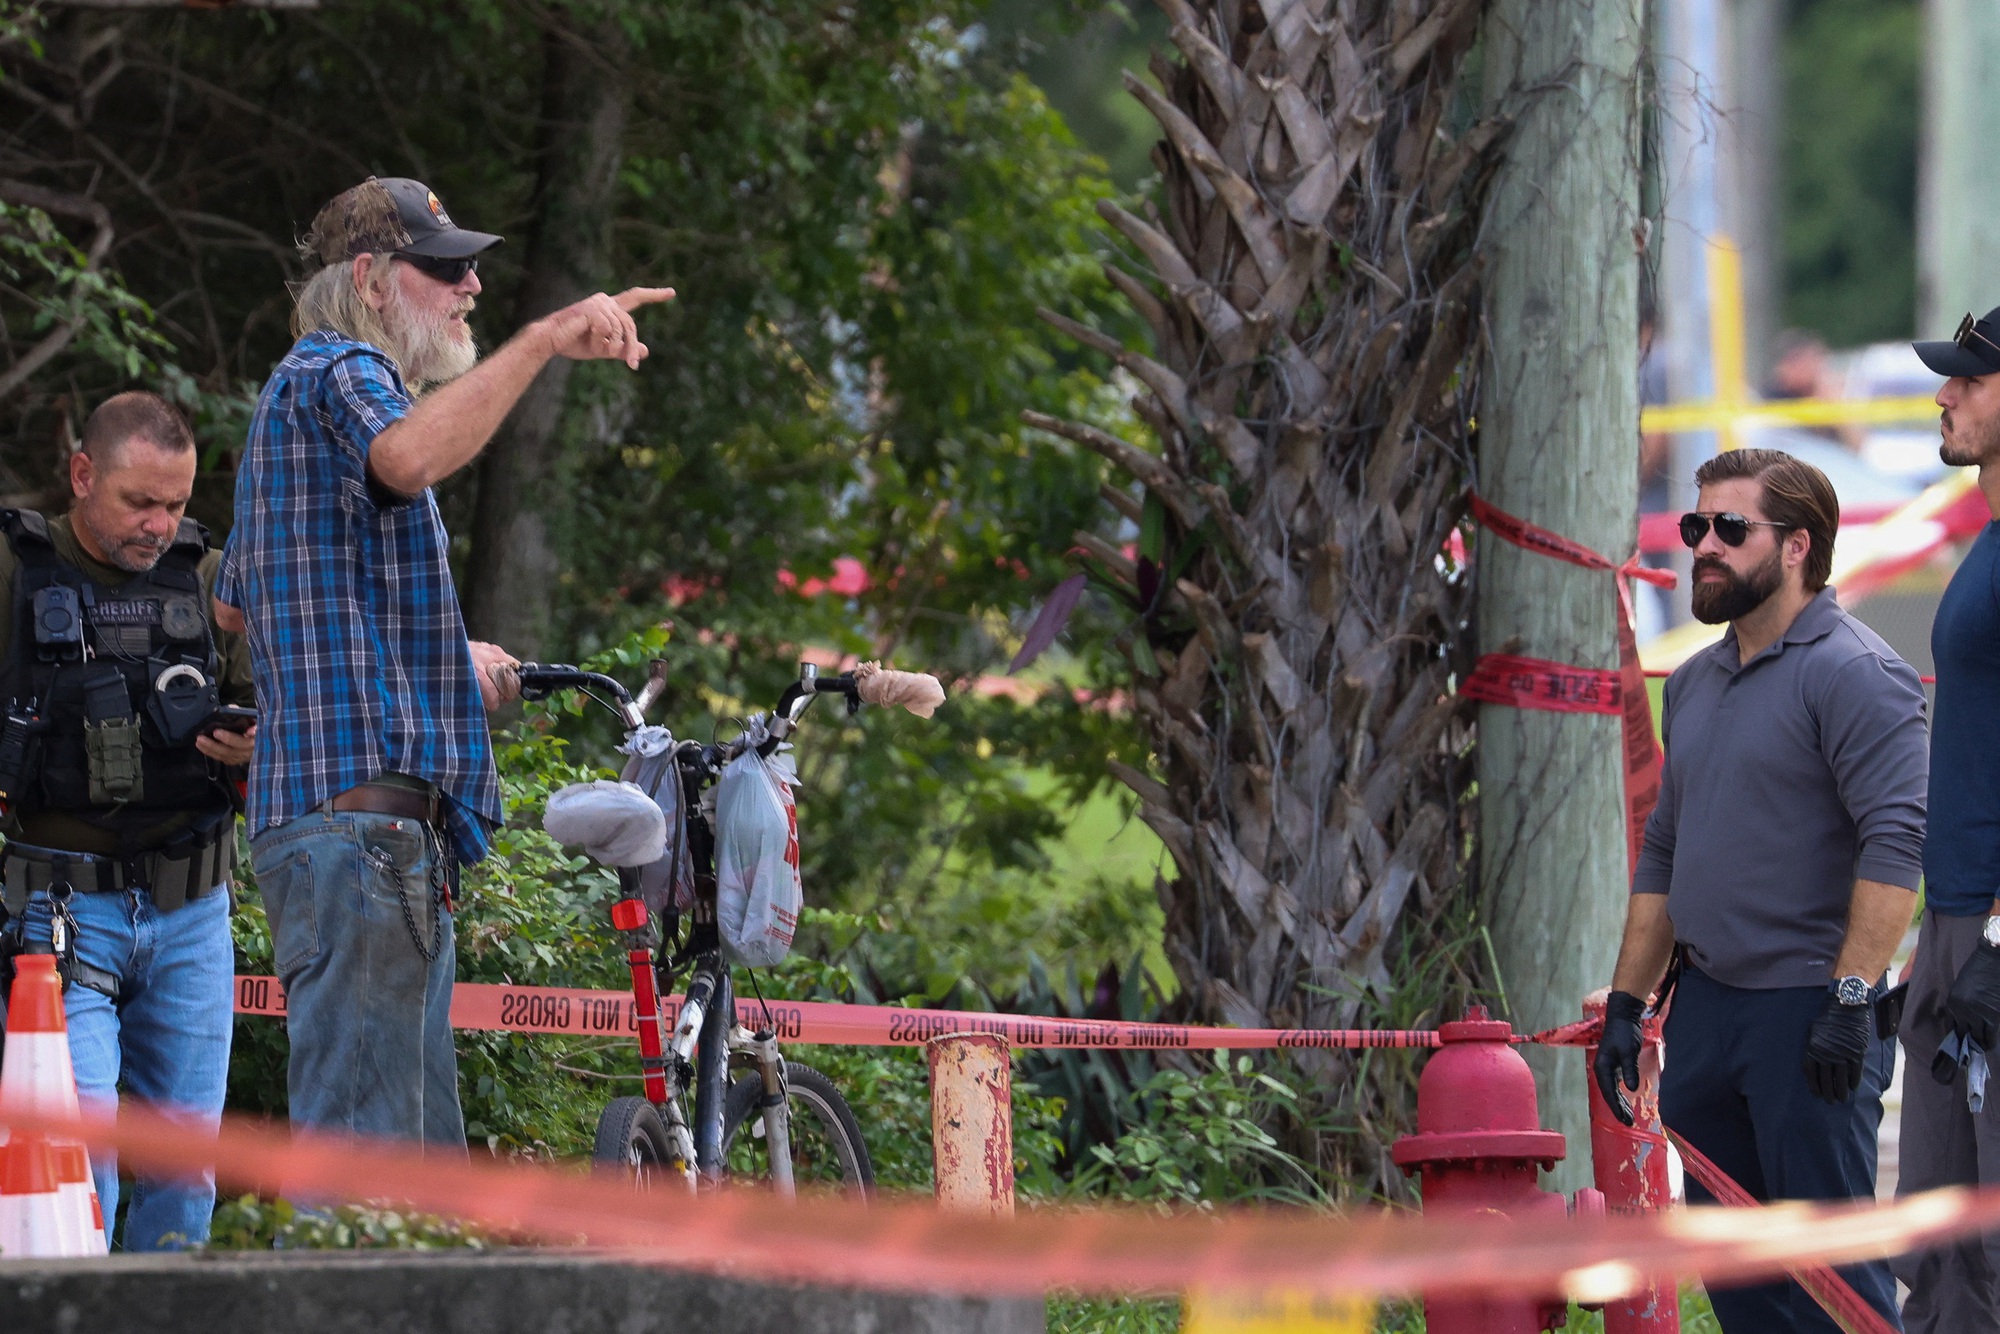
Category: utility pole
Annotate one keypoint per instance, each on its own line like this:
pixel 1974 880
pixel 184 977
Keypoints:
pixel 1558 445
pixel 1958 192
pixel 1757 78
pixel 1693 174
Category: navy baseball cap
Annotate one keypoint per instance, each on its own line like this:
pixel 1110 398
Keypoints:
pixel 390 214
pixel 1972 352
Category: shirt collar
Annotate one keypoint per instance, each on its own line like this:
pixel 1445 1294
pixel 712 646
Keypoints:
pixel 1817 620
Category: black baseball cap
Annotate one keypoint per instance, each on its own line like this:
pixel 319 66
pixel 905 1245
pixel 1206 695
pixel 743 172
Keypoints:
pixel 1972 352
pixel 387 214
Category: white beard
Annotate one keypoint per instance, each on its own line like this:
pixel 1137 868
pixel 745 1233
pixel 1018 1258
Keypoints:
pixel 432 348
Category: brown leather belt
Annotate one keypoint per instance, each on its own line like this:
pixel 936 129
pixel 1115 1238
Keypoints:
pixel 388 799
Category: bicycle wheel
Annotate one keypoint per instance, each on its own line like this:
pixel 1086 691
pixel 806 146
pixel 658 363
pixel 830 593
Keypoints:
pixel 827 1149
pixel 632 1141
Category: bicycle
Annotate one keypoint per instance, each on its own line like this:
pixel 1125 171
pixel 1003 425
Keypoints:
pixel 800 1127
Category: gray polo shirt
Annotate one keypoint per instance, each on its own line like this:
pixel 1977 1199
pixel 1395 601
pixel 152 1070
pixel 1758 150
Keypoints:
pixel 1787 778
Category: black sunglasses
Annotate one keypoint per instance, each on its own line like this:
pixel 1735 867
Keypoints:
pixel 1733 529
pixel 1967 331
pixel 451 271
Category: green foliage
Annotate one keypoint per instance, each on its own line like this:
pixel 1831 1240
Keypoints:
pixel 59 285
pixel 1076 50
pixel 1848 168
pixel 1199 1138
pixel 862 207
pixel 1113 1315
pixel 250 1223
pixel 1407 1317
pixel 1099 1315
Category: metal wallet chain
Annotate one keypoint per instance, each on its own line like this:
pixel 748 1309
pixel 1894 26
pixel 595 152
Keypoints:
pixel 440 879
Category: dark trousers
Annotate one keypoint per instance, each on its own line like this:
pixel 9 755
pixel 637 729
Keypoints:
pixel 1734 1088
pixel 1954 1289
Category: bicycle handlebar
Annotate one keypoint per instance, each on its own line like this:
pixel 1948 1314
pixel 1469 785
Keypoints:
pixel 539 680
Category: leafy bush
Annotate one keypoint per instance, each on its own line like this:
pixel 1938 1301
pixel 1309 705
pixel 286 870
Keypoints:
pixel 249 1223
pixel 1198 1138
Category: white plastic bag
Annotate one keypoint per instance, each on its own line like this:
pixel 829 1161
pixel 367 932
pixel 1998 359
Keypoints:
pixel 757 890
pixel 616 823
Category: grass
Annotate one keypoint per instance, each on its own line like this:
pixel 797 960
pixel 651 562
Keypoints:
pixel 1069 1314
pixel 1107 839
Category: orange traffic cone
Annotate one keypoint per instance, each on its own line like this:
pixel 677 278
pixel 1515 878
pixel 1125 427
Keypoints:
pixel 31 1223
pixel 82 1217
pixel 37 1077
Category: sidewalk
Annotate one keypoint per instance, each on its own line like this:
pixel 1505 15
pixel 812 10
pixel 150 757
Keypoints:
pixel 1890 1136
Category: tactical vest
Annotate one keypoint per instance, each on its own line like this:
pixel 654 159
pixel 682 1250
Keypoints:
pixel 115 681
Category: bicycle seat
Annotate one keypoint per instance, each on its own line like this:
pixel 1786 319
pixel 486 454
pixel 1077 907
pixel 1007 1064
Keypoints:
pixel 614 823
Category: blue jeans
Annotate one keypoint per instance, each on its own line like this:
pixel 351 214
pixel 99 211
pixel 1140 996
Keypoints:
pixel 353 915
pixel 166 1038
pixel 1734 1086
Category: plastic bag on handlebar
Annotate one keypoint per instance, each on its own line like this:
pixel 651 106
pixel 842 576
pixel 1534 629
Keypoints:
pixel 668 882
pixel 757 890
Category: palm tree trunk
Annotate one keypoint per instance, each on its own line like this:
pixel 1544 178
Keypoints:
pixel 1312 285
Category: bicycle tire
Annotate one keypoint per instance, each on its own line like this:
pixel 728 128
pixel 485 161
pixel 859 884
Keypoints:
pixel 632 1141
pixel 827 1148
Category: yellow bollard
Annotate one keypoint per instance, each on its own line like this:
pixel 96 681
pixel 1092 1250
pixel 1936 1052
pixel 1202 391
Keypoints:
pixel 1276 1313
pixel 972 1122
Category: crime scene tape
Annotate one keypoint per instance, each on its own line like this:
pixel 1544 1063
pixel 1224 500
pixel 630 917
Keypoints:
pixel 1537 683
pixel 905 1244
pixel 491 1007
pixel 1543 541
pixel 1533 683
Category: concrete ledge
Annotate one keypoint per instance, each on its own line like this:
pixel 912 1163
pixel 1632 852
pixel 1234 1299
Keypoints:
pixel 419 1292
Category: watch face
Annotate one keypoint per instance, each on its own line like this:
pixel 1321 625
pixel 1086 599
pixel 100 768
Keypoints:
pixel 1852 991
pixel 1992 931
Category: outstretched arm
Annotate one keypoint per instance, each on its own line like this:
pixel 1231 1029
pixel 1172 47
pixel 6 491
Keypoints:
pixel 448 426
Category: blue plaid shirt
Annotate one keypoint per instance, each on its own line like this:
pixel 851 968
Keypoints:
pixel 356 640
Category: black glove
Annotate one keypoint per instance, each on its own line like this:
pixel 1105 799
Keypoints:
pixel 1618 1051
pixel 1836 1046
pixel 1974 1000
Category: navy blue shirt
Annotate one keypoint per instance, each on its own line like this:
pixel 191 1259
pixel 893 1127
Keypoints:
pixel 1962 851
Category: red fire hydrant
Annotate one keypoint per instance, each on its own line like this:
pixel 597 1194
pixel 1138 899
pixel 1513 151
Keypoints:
pixel 1478 1146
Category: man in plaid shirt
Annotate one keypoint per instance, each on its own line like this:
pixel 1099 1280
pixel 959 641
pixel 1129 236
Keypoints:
pixel 373 776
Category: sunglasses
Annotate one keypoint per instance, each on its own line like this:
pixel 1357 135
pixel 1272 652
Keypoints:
pixel 1733 529
pixel 1967 332
pixel 451 271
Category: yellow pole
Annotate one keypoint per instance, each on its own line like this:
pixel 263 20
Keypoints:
pixel 1725 330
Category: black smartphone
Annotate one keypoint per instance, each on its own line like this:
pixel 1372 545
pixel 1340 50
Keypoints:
pixel 230 718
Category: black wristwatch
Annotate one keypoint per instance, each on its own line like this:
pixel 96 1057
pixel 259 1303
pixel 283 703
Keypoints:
pixel 1851 990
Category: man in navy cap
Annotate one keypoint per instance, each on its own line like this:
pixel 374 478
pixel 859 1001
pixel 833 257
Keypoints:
pixel 1950 1135
pixel 373 777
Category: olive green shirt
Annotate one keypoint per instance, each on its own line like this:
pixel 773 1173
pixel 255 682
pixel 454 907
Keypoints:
pixel 53 829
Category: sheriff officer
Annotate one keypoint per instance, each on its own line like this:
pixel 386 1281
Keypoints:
pixel 120 781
